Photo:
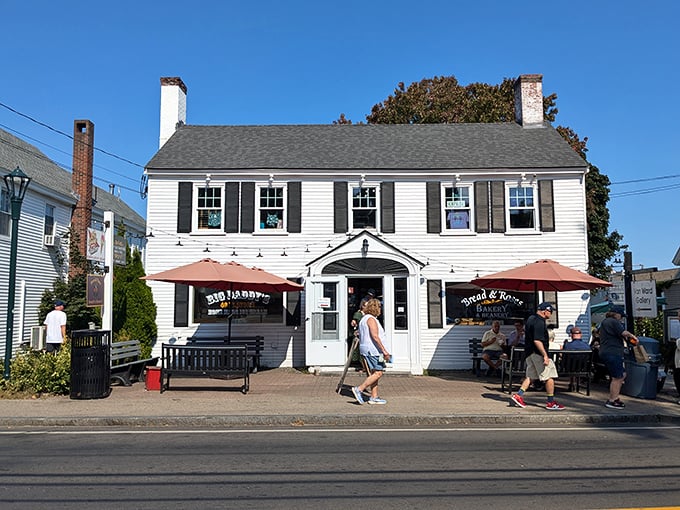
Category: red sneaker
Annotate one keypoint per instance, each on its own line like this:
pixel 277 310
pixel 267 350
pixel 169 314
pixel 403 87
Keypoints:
pixel 554 406
pixel 518 400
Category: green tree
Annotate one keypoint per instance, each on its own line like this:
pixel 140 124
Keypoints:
pixel 443 100
pixel 134 310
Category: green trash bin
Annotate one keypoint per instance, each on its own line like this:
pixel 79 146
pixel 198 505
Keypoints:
pixel 90 364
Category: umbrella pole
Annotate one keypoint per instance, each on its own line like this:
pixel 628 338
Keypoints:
pixel 231 311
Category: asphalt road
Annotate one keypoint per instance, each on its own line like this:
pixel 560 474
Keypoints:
pixel 529 467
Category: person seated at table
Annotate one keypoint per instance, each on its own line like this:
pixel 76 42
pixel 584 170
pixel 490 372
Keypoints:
pixel 575 343
pixel 492 347
pixel 515 338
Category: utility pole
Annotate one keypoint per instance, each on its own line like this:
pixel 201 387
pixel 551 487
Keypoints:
pixel 628 285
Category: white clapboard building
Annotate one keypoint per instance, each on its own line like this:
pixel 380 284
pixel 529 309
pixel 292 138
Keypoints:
pixel 412 211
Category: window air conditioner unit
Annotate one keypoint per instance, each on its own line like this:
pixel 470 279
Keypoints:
pixel 51 240
pixel 37 338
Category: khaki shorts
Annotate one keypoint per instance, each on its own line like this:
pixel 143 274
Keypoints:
pixel 537 370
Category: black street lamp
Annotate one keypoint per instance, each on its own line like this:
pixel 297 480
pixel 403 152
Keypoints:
pixel 16 183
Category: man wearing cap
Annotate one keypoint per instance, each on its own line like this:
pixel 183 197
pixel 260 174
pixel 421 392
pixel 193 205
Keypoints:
pixel 612 343
pixel 56 327
pixel 539 364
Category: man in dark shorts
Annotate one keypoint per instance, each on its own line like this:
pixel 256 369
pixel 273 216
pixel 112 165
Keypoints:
pixel 612 343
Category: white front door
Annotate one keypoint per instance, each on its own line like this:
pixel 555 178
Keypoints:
pixel 326 330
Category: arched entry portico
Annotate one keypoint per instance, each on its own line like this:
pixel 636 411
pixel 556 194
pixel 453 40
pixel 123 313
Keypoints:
pixel 339 279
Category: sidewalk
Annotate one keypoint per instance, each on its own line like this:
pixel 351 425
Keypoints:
pixel 287 397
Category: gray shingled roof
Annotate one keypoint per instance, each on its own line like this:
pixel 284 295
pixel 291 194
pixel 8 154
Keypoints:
pixel 42 170
pixel 373 146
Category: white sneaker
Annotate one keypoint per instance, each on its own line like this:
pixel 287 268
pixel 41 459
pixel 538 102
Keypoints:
pixel 377 401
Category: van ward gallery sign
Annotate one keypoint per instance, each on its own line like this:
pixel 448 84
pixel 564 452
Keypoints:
pixel 492 304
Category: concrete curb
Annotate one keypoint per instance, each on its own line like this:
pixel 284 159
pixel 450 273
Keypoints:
pixel 380 420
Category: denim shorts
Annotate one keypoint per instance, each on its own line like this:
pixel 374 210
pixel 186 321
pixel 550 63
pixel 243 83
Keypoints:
pixel 374 364
pixel 614 364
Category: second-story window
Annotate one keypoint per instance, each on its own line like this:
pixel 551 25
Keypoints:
pixel 457 207
pixel 364 207
pixel 271 207
pixel 5 217
pixel 209 208
pixel 521 207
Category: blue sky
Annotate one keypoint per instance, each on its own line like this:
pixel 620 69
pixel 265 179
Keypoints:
pixel 613 65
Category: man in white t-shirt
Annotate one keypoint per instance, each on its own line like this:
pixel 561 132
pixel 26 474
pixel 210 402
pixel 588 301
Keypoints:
pixel 56 327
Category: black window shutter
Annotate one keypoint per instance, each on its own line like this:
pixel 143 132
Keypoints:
pixel 434 304
pixel 340 192
pixel 231 207
pixel 546 205
pixel 181 305
pixel 433 198
pixel 293 306
pixel 482 207
pixel 387 207
pixel 295 207
pixel 184 207
pixel 497 206
pixel 248 207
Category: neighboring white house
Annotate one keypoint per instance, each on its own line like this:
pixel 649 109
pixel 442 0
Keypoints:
pixel 412 211
pixel 46 214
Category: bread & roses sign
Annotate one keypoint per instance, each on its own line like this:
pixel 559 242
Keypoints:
pixel 485 304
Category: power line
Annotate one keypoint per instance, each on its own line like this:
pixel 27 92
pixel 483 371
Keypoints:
pixel 41 156
pixel 647 180
pixel 67 135
pixel 644 191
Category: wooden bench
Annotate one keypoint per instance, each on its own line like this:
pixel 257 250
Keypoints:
pixel 214 361
pixel 127 365
pixel 475 348
pixel 577 364
pixel 253 344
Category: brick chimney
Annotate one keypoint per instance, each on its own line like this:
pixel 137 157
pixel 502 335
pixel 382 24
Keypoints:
pixel 529 100
pixel 81 181
pixel 173 107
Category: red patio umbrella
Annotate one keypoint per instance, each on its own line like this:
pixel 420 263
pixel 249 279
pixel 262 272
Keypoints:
pixel 544 275
pixel 230 276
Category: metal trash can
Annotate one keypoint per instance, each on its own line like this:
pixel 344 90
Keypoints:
pixel 90 364
pixel 642 378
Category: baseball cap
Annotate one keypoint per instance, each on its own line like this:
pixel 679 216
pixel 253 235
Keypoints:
pixel 618 309
pixel 546 306
pixel 575 331
pixel 59 302
pixel 371 292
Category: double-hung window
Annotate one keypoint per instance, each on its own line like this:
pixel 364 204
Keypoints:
pixel 364 207
pixel 5 216
pixel 521 211
pixel 271 208
pixel 49 220
pixel 209 208
pixel 457 209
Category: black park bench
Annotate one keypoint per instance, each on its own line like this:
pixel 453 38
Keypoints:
pixel 127 364
pixel 213 361
pixel 253 344
pixel 475 348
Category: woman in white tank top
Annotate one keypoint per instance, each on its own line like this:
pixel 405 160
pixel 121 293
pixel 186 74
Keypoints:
pixel 372 349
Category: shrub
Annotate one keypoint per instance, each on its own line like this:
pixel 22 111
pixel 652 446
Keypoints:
pixel 38 372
